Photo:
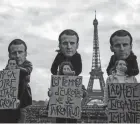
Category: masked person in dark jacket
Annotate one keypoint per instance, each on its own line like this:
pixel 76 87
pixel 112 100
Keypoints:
pixel 67 61
pixel 121 45
pixel 18 51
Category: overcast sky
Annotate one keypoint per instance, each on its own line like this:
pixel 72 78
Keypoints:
pixel 39 23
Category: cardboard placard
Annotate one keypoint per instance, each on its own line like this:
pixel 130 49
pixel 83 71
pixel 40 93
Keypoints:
pixel 65 101
pixel 9 80
pixel 123 102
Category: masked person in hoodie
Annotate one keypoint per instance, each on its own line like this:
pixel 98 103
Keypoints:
pixel 121 45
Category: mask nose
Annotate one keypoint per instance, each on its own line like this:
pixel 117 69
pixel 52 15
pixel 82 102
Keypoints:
pixel 17 54
pixel 69 45
pixel 122 47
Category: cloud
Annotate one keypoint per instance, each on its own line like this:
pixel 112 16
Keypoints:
pixel 40 82
pixel 39 23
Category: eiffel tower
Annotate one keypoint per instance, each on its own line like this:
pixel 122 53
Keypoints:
pixel 96 71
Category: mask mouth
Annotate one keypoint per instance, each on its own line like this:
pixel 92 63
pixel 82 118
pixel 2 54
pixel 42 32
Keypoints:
pixel 69 51
pixel 122 53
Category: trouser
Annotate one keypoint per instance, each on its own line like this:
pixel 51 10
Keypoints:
pixel 66 120
pixel 22 118
pixel 9 115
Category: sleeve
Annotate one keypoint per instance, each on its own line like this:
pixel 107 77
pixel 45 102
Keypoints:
pixel 78 65
pixel 133 69
pixel 29 67
pixel 26 70
pixel 55 64
pixel 110 66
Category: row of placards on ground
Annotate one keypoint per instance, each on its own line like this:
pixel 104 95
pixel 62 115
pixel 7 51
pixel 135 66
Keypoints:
pixel 65 102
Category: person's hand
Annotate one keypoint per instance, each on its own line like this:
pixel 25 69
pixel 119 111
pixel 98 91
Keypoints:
pixel 22 69
pixel 18 67
pixel 50 93
pixel 17 103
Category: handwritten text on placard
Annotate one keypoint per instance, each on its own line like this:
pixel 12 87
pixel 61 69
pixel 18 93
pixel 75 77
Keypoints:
pixel 66 99
pixel 9 80
pixel 123 102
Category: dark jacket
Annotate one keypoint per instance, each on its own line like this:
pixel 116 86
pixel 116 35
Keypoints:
pixel 9 115
pixel 75 61
pixel 132 65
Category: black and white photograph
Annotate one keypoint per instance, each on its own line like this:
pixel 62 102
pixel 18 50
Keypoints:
pixel 69 61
